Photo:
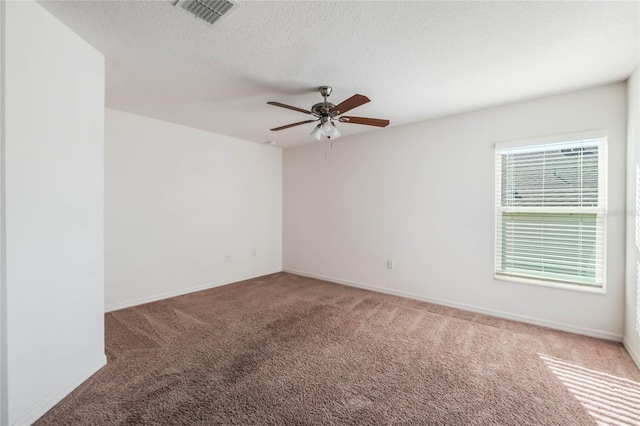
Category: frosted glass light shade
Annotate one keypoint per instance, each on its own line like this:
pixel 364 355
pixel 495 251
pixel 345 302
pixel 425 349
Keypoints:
pixel 317 132
pixel 335 133
pixel 327 128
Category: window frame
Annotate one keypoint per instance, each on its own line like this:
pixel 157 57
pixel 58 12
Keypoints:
pixel 600 210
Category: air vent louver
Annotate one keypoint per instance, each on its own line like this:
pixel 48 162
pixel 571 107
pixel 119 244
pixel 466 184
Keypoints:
pixel 210 11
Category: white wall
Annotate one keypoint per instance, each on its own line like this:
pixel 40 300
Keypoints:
pixel 54 210
pixel 177 201
pixel 631 335
pixel 423 195
pixel 3 281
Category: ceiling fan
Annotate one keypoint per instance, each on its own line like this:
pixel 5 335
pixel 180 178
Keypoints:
pixel 326 113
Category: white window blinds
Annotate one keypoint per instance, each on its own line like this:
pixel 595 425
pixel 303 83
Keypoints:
pixel 550 210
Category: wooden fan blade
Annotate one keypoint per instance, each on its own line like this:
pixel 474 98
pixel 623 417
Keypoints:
pixel 292 125
pixel 281 105
pixel 351 103
pixel 366 121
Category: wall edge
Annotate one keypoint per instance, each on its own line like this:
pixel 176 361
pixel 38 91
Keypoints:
pixel 600 334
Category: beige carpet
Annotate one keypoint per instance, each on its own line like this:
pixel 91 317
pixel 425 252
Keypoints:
pixel 288 350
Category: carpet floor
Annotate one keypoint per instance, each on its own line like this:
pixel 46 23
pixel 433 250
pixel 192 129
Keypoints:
pixel 288 350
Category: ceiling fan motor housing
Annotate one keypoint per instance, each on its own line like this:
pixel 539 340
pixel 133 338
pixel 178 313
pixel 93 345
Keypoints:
pixel 322 109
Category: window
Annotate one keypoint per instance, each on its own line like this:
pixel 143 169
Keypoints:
pixel 550 210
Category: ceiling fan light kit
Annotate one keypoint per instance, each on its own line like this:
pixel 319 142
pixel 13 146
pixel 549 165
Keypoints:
pixel 328 129
pixel 326 113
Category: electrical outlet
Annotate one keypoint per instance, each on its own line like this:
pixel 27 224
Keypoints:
pixel 254 253
pixel 390 264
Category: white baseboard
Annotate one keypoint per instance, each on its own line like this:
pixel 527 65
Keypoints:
pixel 49 401
pixel 635 356
pixel 477 309
pixel 180 292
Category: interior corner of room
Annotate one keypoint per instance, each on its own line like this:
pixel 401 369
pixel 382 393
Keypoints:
pixel 110 207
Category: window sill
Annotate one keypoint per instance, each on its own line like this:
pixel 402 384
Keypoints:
pixel 552 284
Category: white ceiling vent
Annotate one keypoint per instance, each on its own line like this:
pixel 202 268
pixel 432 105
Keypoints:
pixel 210 11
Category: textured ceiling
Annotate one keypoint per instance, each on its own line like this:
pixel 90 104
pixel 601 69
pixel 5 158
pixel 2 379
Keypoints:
pixel 415 60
